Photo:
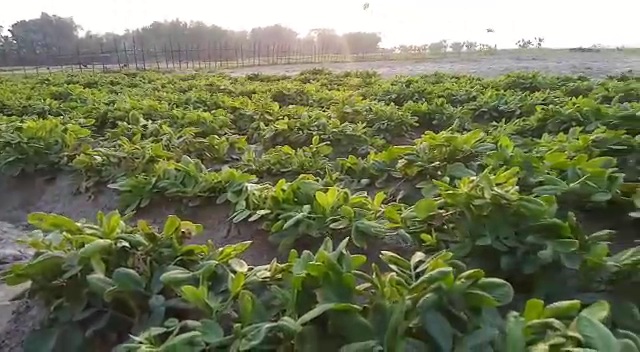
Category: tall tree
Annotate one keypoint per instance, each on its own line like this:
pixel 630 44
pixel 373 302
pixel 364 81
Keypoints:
pixel 361 42
pixel 48 33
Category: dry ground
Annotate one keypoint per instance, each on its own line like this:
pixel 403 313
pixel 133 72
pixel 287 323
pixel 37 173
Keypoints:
pixel 597 64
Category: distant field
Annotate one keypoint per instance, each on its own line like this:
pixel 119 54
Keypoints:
pixel 557 61
pixel 600 64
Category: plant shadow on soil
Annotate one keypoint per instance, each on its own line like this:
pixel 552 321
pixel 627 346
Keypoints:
pixel 23 195
pixel 20 196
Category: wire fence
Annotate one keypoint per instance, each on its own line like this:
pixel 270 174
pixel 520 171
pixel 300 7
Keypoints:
pixel 173 56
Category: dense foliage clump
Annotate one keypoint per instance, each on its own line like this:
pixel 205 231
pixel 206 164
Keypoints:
pixel 484 181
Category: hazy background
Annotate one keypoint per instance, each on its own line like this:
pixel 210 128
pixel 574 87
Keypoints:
pixel 563 23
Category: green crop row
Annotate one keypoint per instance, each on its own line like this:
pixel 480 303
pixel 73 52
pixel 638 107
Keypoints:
pixel 482 180
pixel 106 283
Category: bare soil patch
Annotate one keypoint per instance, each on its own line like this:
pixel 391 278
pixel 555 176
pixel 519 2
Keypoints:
pixel 555 62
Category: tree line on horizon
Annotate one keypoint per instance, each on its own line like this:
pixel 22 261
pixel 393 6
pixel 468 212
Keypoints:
pixel 55 40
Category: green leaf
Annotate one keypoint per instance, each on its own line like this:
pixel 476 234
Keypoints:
pixel 181 342
pixel 96 247
pixel 98 264
pixel 112 223
pixel 439 328
pixel 626 345
pixel 239 265
pixel 254 335
pixel 43 340
pixel 347 211
pixel 128 280
pixel 478 339
pixel 307 339
pixel 458 170
pixel 438 275
pixel 477 298
pixel 515 340
pixel 177 278
pixel 53 222
pixel 563 309
pixel 211 331
pixel 533 309
pixel 192 295
pixel 171 225
pixel 364 346
pixel 323 200
pixel 548 190
pixel 338 225
pixel 499 289
pixel 379 198
pixel 598 311
pixel 600 197
pixel 425 207
pixel 236 282
pixel 241 215
pixel 596 335
pixel 565 245
pixel 246 302
pixel 99 283
pixel 322 308
pixel 293 221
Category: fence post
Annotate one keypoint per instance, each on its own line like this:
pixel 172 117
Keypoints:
pixel 104 68
pixel 135 52
pixel 144 60
pixel 179 58
pixel 274 53
pixel 115 46
pixel 78 54
pixel 209 54
pixel 253 53
pixel 126 53
pixel 193 64
pixel 186 56
pixel 173 61
pixel 36 56
pixel 155 51
pixel 4 61
pixel 241 54
pixel 259 57
pixel 235 49
pixel 166 56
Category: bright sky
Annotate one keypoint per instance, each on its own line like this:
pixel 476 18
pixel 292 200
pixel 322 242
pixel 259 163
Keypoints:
pixel 563 23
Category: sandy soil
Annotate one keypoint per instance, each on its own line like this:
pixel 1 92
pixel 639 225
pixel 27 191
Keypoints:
pixel 557 62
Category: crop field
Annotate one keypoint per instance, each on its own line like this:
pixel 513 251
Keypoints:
pixel 324 211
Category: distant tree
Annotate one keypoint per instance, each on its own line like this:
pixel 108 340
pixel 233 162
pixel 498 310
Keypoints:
pixel 438 47
pixel 271 35
pixel 55 40
pixel 361 42
pixel 487 48
pixel 470 46
pixel 48 33
pixel 327 41
pixel 524 43
pixel 539 41
pixel 457 47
